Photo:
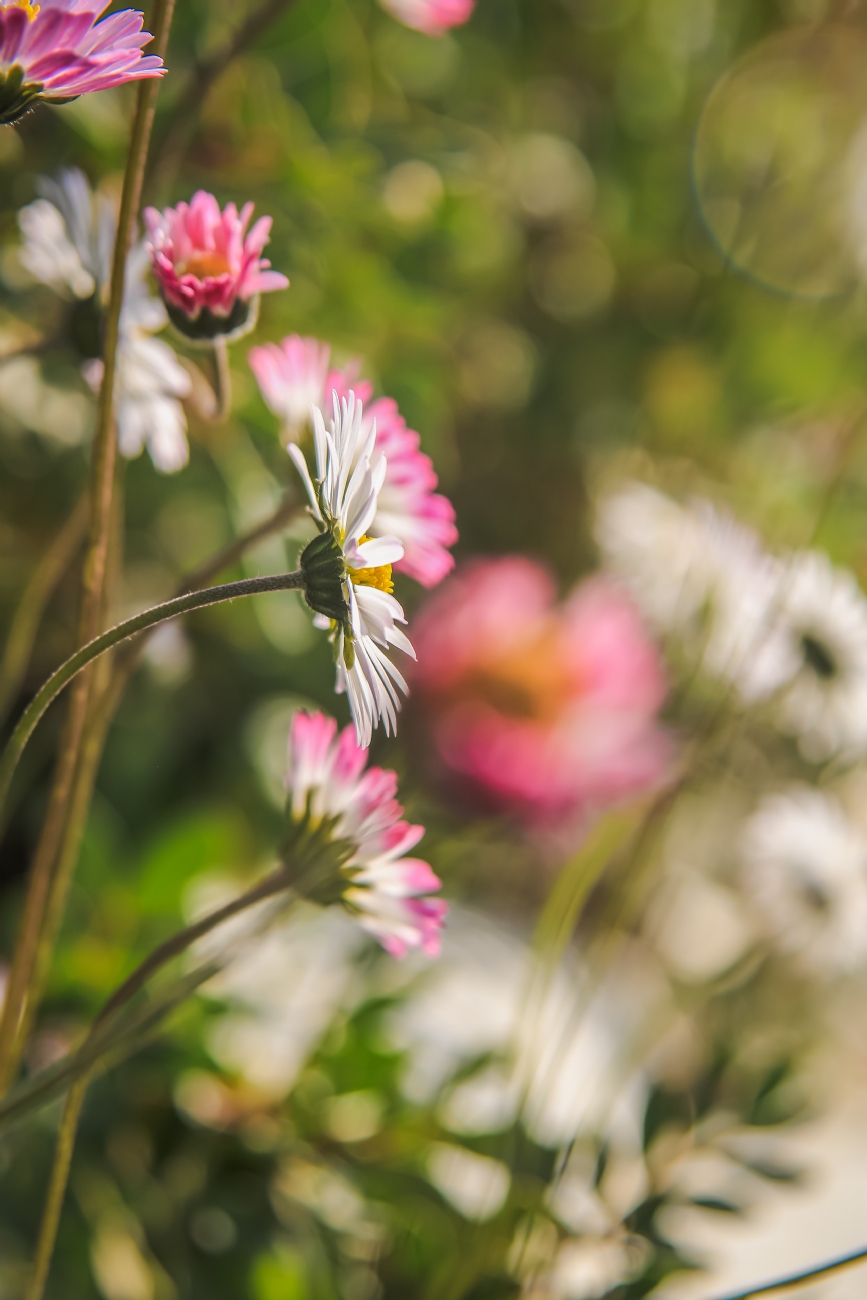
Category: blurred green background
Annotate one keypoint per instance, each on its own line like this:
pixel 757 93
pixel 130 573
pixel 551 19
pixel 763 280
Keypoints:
pixel 514 226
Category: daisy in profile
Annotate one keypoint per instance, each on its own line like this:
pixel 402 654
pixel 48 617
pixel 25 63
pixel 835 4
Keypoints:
pixel 805 867
pixel 331 793
pixel 296 375
pixel 348 573
pixel 58 50
pixel 68 241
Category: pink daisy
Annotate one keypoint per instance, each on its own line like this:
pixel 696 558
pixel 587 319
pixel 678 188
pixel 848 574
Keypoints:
pixel 545 711
pixel 387 892
pixel 57 50
pixel 294 376
pixel 208 267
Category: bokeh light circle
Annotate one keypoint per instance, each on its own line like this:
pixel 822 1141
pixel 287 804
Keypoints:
pixel 780 162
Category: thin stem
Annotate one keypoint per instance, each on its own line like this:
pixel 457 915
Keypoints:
pixel 222 380
pixel 56 1189
pixel 61 841
pixel 31 607
pixel 100 644
pixel 93 578
pixel 802 1279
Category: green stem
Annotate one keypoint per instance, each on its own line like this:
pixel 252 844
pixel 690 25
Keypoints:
pixel 56 1190
pixel 140 623
pixel 802 1279
pixel 31 607
pixel 277 882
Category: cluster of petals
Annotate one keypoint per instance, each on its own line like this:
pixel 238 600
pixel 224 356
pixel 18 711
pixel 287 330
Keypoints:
pixel 433 17
pixel 60 50
pixel 68 241
pixel 205 258
pixel 343 502
pixel 296 375
pixel 544 711
pixel 388 892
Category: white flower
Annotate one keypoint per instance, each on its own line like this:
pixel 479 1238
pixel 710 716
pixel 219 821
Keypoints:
pixel 343 503
pixel 805 866
pixel 68 234
pixel 655 546
pixel 68 241
pixel 823 652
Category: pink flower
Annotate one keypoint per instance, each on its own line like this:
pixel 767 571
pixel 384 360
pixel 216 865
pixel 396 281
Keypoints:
pixel 293 376
pixel 207 266
pixel 548 711
pixel 433 17
pixel 386 891
pixel 57 49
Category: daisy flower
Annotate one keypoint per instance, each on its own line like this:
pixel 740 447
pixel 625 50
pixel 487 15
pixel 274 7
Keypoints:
pixel 805 867
pixel 68 242
pixel 824 656
pixel 294 376
pixel 433 17
pixel 57 50
pixel 330 790
pixel 348 573
pixel 209 267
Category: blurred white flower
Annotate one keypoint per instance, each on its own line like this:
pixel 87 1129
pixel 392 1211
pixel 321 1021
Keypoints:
pixel 475 1185
pixel 655 546
pixel 68 241
pixel 805 867
pixel 824 625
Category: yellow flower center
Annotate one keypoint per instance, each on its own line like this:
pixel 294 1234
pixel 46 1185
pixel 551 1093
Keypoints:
pixel 31 10
pixel 203 264
pixel 379 577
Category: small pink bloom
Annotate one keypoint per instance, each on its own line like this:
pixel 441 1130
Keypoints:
pixel 293 376
pixel 62 51
pixel 385 890
pixel 205 260
pixel 548 711
pixel 433 17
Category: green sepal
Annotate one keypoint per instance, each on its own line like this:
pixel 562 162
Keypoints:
pixel 324 571
pixel 17 97
pixel 201 330
pixel 315 857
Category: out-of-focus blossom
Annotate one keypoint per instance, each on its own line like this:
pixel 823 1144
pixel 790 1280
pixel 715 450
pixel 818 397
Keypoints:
pixel 805 866
pixel 294 376
pixel 433 17
pixel 68 242
pixel 347 572
pixel 330 789
pixel 57 50
pixel 549 711
pixel 821 643
pixel 209 268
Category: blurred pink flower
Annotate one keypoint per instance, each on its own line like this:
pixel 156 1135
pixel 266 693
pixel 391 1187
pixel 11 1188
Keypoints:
pixel 58 49
pixel 549 711
pixel 433 17
pixel 387 892
pixel 293 376
pixel 204 259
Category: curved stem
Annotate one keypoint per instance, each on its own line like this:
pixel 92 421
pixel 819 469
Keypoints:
pixel 147 619
pixel 802 1279
pixel 277 882
pixel 31 607
pixel 222 380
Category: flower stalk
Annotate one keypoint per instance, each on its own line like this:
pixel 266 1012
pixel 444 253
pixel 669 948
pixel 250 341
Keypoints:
pixel 114 636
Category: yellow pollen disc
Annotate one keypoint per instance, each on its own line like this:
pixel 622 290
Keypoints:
pixel 204 264
pixel 31 10
pixel 380 577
